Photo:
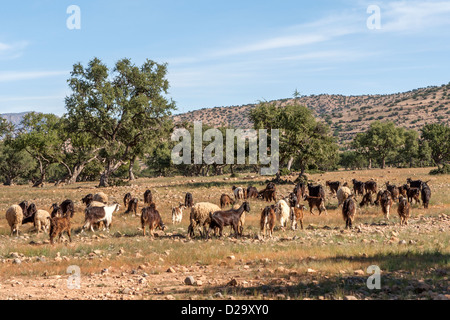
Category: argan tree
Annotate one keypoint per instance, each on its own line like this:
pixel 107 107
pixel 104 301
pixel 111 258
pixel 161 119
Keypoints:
pixel 121 109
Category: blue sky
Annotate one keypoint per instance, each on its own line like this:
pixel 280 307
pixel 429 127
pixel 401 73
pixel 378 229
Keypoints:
pixel 222 53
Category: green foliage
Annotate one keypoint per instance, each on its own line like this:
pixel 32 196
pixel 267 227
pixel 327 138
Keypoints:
pixel 438 138
pixel 124 110
pixel 301 136
pixel 445 169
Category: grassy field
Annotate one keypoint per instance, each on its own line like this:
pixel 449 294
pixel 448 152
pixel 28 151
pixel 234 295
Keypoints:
pixel 323 261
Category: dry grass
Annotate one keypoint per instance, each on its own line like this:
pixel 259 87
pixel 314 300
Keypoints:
pixel 322 246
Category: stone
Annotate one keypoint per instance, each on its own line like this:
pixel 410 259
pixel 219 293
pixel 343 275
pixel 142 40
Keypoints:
pixel 350 298
pixel 190 281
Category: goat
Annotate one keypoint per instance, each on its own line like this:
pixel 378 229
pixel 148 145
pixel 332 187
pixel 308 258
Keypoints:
pixel 87 200
pixel 252 192
pixel 268 195
pixel 386 203
pixel 358 187
pixel 370 186
pixel 59 225
pixel 238 193
pixel 342 194
pixel 150 217
pixel 403 190
pixel 283 212
pixel 200 216
pixel 97 214
pixel 414 183
pixel 297 216
pixel 333 185
pixel 126 200
pixel 425 195
pixel 177 213
pixel 66 207
pixel 188 200
pixel 413 193
pixel 221 219
pixel 367 199
pixel 29 212
pixel 393 189
pixel 317 202
pixel 300 190
pixel 403 210
pixel 225 200
pixel 132 206
pixel 148 197
pixel 316 191
pixel 349 211
pixel 267 221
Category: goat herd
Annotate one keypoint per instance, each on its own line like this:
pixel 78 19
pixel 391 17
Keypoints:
pixel 204 214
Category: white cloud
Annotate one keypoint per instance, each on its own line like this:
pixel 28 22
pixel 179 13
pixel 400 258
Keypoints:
pixel 413 16
pixel 29 75
pixel 12 50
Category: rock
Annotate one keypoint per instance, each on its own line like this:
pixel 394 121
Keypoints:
pixel 359 272
pixel 402 242
pixel 17 261
pixel 218 295
pixel 281 296
pixel 311 271
pixel 231 257
pixel 170 297
pixel 190 281
pixel 350 298
pixel 171 270
pixel 126 291
pixel 14 255
pixel 199 283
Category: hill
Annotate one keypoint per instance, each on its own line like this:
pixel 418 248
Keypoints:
pixel 14 118
pixel 347 115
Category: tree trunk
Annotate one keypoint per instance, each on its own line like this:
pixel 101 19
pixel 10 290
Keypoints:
pixel 290 162
pixel 370 164
pixel 110 169
pixel 131 176
pixel 75 173
pixel 383 164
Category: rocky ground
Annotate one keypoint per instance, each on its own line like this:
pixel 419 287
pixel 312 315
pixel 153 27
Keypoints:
pixel 240 278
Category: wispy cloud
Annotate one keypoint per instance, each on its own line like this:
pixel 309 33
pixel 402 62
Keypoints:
pixel 413 16
pixel 29 75
pixel 10 51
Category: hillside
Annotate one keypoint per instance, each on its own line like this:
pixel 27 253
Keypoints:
pixel 14 118
pixel 347 115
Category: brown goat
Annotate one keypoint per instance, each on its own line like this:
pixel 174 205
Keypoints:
pixel 333 185
pixel 386 203
pixel 59 225
pixel 188 200
pixel 232 217
pixel 316 202
pixel 371 186
pixel 413 193
pixel 252 192
pixel 126 200
pixel 268 220
pixel 403 210
pixel 349 211
pixel 225 200
pixel 297 216
pixel 268 195
pixel 150 217
pixel 367 199
pixel 132 206
pixel 393 189
pixel 358 187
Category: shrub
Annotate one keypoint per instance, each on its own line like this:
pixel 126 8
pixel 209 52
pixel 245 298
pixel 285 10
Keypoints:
pixel 444 170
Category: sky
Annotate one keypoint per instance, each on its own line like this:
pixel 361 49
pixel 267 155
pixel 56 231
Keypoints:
pixel 223 53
